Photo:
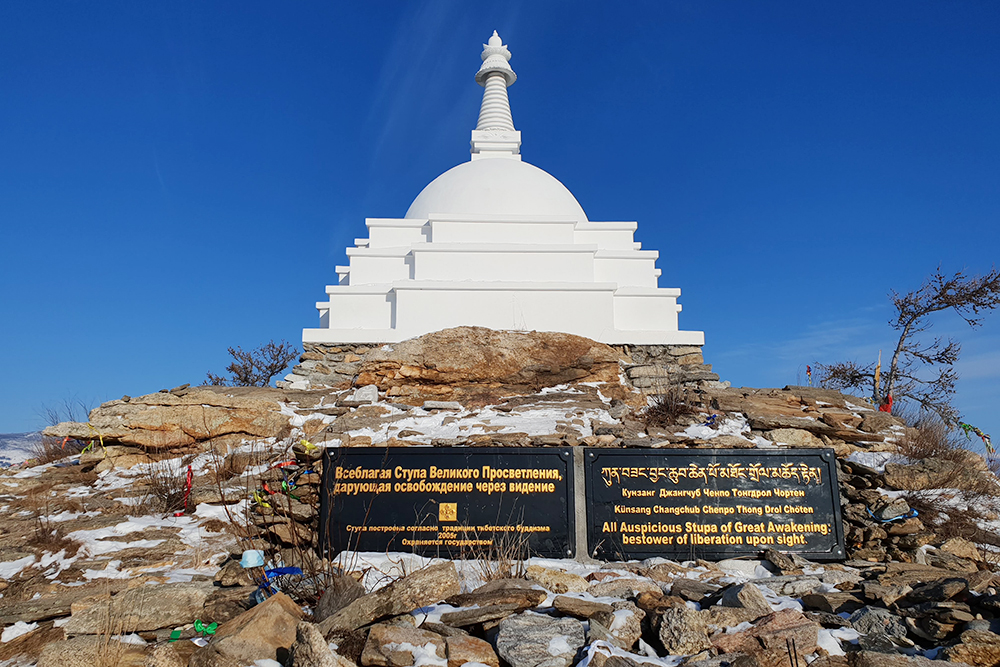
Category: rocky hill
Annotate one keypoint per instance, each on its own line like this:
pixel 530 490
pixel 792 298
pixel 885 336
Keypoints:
pixel 110 556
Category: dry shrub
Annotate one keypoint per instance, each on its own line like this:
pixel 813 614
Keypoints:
pixel 165 486
pixel 930 438
pixel 49 450
pixel 949 521
pixel 506 558
pixel 672 403
pixel 111 650
pixel 52 539
pixel 968 495
pixel 46 534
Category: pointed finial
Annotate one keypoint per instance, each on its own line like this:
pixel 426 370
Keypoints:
pixel 495 59
pixel 495 135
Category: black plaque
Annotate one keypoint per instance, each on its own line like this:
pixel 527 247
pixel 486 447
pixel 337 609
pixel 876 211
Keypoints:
pixel 448 501
pixel 717 503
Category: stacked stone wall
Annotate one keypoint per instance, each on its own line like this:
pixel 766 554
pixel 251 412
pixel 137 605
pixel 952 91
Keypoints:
pixel 656 366
pixel 327 364
pixel 651 366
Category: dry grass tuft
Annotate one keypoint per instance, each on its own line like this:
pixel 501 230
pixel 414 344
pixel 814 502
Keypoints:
pixel 165 486
pixel 932 439
pixel 669 406
pixel 50 450
pixel 506 559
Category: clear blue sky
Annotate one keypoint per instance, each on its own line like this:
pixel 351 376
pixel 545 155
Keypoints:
pixel 178 177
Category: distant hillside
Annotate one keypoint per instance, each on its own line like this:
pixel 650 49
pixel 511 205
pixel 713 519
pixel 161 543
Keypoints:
pixel 16 447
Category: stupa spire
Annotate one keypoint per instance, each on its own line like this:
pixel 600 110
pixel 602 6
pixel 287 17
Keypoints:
pixel 495 135
pixel 495 75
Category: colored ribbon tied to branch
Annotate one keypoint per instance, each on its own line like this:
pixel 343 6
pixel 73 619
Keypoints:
pixel 969 428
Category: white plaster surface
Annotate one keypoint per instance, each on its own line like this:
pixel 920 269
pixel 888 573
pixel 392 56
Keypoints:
pixel 499 243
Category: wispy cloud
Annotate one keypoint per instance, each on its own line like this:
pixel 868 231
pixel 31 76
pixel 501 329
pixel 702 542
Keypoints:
pixel 417 72
pixel 980 359
pixel 835 339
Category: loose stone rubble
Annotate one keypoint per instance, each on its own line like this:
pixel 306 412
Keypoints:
pixel 95 566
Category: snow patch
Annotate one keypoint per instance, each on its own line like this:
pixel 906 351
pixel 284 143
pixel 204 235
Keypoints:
pixel 14 631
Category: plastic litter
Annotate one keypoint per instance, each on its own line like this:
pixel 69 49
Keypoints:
pixel 252 558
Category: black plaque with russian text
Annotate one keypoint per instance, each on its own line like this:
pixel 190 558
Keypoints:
pixel 449 501
pixel 719 503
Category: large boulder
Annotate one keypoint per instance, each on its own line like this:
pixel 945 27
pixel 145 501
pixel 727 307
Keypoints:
pixel 475 365
pixel 424 587
pixel 266 631
pixel 168 420
pixel 141 609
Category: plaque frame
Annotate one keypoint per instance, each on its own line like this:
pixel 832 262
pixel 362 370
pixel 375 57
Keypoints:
pixel 333 522
pixel 598 501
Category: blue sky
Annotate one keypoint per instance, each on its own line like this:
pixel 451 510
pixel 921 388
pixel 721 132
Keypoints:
pixel 179 177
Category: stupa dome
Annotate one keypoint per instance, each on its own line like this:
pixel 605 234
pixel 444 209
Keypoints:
pixel 496 187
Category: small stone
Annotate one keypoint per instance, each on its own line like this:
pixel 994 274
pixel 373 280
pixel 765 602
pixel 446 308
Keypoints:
pixel 383 648
pixel 890 508
pixel 464 649
pixel 683 631
pixel 253 635
pixel 625 587
pixel 423 587
pixel 692 589
pixel 557 581
pixel 962 548
pixel 232 574
pixel 580 608
pixel 535 640
pixel 794 437
pixel 466 617
pixel 833 603
pixel 944 589
pixel 523 598
pixel 311 650
pixel 624 622
pixel 877 621
pixel 779 560
pixel 366 394
pixel 748 597
pixel 442 405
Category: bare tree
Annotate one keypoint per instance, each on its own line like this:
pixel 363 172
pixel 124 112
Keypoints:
pixel 70 410
pixel 257 367
pixel 922 373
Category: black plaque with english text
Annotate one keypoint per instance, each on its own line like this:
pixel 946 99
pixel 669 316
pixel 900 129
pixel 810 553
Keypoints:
pixel 448 501
pixel 719 503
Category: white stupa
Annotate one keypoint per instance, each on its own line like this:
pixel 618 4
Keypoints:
pixel 499 243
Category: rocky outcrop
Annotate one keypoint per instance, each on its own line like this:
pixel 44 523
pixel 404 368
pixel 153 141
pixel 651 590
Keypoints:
pixel 181 418
pixel 477 366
